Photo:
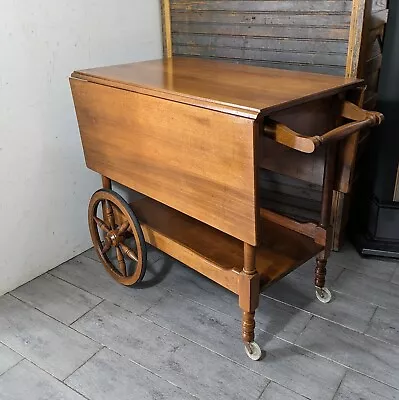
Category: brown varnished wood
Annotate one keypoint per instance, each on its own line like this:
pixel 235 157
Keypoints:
pixel 320 272
pixel 231 88
pixel 107 184
pixel 248 326
pixel 312 118
pixel 187 135
pixel 347 151
pixel 118 220
pixel 331 37
pixel 309 229
pixel 249 281
pixel 280 133
pixel 248 292
pixel 217 255
pixel 325 217
pixel 196 160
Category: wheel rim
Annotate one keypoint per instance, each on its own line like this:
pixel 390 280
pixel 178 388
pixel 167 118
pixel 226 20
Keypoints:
pixel 324 295
pixel 117 237
pixel 253 351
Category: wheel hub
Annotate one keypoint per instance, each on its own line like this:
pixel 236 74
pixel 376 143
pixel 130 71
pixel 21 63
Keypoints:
pixel 114 238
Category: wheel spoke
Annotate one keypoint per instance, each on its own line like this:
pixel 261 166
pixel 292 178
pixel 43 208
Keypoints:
pixel 121 261
pixel 101 224
pixel 109 214
pixel 128 251
pixel 123 228
pixel 107 246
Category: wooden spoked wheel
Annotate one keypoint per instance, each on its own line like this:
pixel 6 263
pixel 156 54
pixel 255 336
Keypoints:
pixel 117 237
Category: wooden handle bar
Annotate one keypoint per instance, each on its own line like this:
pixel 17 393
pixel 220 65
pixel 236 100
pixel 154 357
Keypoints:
pixel 308 144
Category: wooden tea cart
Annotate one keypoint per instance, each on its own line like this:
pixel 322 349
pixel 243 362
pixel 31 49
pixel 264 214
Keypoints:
pixel 190 135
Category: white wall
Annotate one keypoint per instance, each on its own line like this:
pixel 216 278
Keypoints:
pixel 44 184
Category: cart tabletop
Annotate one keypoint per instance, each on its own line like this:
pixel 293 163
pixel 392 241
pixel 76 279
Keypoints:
pixel 233 88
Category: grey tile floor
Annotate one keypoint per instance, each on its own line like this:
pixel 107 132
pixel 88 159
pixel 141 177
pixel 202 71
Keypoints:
pixel 74 333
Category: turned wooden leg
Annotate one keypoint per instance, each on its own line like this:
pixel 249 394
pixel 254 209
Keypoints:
pixel 320 272
pixel 322 293
pixel 248 326
pixel 249 288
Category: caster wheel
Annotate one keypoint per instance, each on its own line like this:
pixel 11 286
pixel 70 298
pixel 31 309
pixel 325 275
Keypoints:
pixel 323 294
pixel 253 351
pixel 117 237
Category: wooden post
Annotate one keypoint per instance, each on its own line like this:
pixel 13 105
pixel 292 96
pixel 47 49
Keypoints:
pixel 107 184
pixel 325 218
pixel 167 29
pixel 356 34
pixel 249 288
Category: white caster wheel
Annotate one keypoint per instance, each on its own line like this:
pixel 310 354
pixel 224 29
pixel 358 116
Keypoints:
pixel 323 294
pixel 253 351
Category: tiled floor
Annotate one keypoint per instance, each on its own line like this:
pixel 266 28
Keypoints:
pixel 75 334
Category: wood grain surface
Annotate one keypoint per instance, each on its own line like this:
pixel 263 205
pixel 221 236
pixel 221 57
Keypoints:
pixel 198 161
pixel 220 256
pixel 237 89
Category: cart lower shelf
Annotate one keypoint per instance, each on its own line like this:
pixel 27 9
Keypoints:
pixel 210 251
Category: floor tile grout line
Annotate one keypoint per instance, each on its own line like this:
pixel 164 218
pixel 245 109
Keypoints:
pixel 10 368
pixel 152 305
pixel 41 369
pixel 51 316
pixel 78 287
pixel 147 369
pixel 43 312
pixel 56 277
pixel 66 326
pixel 338 276
pixel 172 291
pixel 382 281
pixel 393 274
pixel 15 351
pixel 237 362
pixel 369 323
pixel 303 330
pixel 381 340
pixel 279 301
pixel 158 376
pixel 221 355
pixel 84 314
pixel 81 365
pixel 210 308
pixel 356 271
pixel 209 349
pixel 314 314
pixel 340 384
pixel 294 344
pixel 263 391
pixel 272 335
pixel 202 346
pixel 263 294
pixel 104 298
pixel 69 283
pixel 346 366
pixel 285 387
pixel 363 300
